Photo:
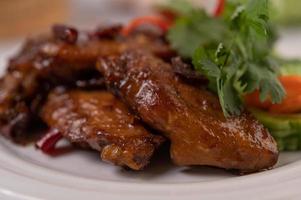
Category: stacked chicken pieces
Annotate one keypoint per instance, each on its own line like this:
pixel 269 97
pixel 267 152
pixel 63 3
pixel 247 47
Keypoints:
pixel 124 97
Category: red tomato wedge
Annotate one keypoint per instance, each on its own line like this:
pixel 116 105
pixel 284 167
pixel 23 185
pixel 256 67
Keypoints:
pixel 290 104
pixel 292 101
pixel 219 9
pixel 253 100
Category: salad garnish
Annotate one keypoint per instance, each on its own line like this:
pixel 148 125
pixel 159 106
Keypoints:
pixel 232 49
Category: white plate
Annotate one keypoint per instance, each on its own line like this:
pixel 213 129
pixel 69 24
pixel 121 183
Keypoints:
pixel 28 174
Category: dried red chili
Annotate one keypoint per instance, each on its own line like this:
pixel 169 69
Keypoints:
pixel 158 21
pixel 49 140
pixel 65 33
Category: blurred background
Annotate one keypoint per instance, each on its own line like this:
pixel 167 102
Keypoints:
pixel 28 17
pixel 19 18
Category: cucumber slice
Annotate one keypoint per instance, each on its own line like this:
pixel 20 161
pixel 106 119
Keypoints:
pixel 291 68
pixel 290 143
pixel 286 124
pixel 286 129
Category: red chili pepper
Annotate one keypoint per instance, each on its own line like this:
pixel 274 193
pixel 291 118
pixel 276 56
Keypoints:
pixel 48 141
pixel 219 9
pixel 158 21
pixel 168 14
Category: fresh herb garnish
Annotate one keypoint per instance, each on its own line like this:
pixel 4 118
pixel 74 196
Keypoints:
pixel 232 51
pixel 193 30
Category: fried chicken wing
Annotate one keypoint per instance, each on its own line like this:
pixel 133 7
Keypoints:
pixel 191 117
pixel 47 61
pixel 42 64
pixel 101 121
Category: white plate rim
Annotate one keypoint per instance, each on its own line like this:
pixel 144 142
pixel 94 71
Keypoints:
pixel 44 180
pixel 22 180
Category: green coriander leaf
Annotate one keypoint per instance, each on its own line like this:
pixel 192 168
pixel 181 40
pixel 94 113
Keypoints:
pixel 194 30
pixel 179 6
pixel 230 102
pixel 237 13
pixel 203 57
pixel 265 80
pixel 257 9
pixel 233 51
pixel 210 61
pixel 270 86
pixel 202 61
pixel 210 68
pixel 251 78
pixel 221 54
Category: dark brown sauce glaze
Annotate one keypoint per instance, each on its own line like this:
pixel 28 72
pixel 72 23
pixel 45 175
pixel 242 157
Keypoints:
pixel 190 117
pixel 65 33
pixel 48 61
pixel 186 71
pixel 101 121
pixel 110 32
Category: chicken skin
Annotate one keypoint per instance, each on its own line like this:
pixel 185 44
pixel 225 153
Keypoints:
pixel 190 116
pixel 99 120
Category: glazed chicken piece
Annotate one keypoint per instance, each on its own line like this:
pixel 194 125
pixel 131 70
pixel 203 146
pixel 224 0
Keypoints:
pixel 42 64
pixel 191 117
pixel 48 61
pixel 101 121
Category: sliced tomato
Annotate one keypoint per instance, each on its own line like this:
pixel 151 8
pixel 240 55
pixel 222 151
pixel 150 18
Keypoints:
pixel 253 100
pixel 290 104
pixel 292 101
pixel 156 20
pixel 220 7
